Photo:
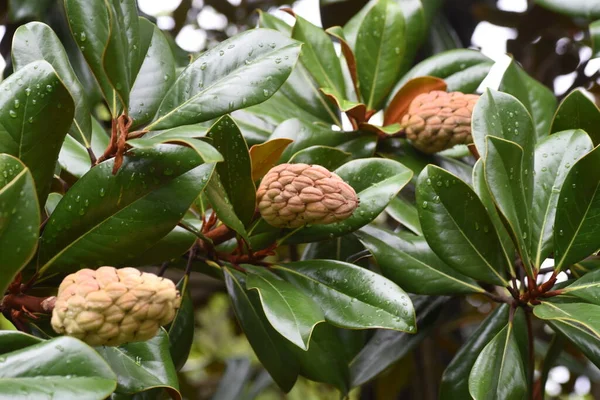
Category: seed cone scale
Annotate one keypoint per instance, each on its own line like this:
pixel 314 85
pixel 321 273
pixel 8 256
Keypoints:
pixel 293 195
pixel 110 307
pixel 438 120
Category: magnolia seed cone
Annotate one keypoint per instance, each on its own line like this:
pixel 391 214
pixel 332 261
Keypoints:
pixel 293 195
pixel 438 120
pixel 112 306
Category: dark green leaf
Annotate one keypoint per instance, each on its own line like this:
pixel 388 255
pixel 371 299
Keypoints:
pixel 19 218
pixel 223 206
pixel 120 216
pixel 510 180
pixel 577 111
pixel 578 322
pixel 576 224
pixel 386 347
pixel 156 76
pixel 376 181
pixel 359 144
pixel 502 115
pixel 143 365
pixel 268 20
pixel 481 188
pixel 170 247
pixel 36 111
pixel 454 383
pixel 52 202
pixel 407 260
pixel 19 10
pixel 537 98
pixel 498 372
pixel 457 226
pixel 268 345
pixel 62 367
pixel 595 36
pixel 15 340
pixel 74 158
pixel 462 69
pixel 292 313
pixel 318 56
pixel 586 287
pixel 181 330
pixel 575 8
pixel 350 296
pixel 379 51
pixel 211 85
pixel 405 213
pixel 553 157
pixel 325 156
pixel 326 358
pixel 37 41
pixel 236 171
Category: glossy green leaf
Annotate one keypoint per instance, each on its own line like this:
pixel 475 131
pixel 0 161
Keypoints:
pixel 223 206
pixel 575 8
pixel 405 213
pixel 481 188
pixel 62 367
pixel 268 345
pixel 595 36
pixel 510 180
pixel 16 340
pixel 292 313
pixel 74 158
pixel 268 20
pixel 154 79
pixel 535 96
pixel 578 212
pixel 498 372
pixel 455 380
pixel 462 69
pixel 387 347
pixel 143 365
pixel 256 130
pixel 37 41
pixel 170 247
pixel 236 171
pixel 326 359
pixel 119 216
pixel 185 136
pixel 325 156
pixel 409 261
pixel 318 56
pixel 379 51
pixel 212 86
pixel 181 330
pixel 376 182
pixel 19 218
pixel 350 296
pixel 36 111
pixel 577 111
pixel 586 287
pixel 52 202
pixel 554 156
pixel 578 322
pixel 103 44
pixel 359 144
pixel 502 115
pixel 457 226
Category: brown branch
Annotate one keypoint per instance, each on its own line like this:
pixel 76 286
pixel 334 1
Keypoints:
pixel 33 304
pixel 220 234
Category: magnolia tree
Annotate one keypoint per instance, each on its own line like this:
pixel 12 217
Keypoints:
pixel 238 166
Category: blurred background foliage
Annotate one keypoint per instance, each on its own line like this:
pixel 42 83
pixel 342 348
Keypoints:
pixel 553 48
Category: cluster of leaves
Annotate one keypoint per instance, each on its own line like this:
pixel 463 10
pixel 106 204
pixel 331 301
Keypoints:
pixel 173 182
